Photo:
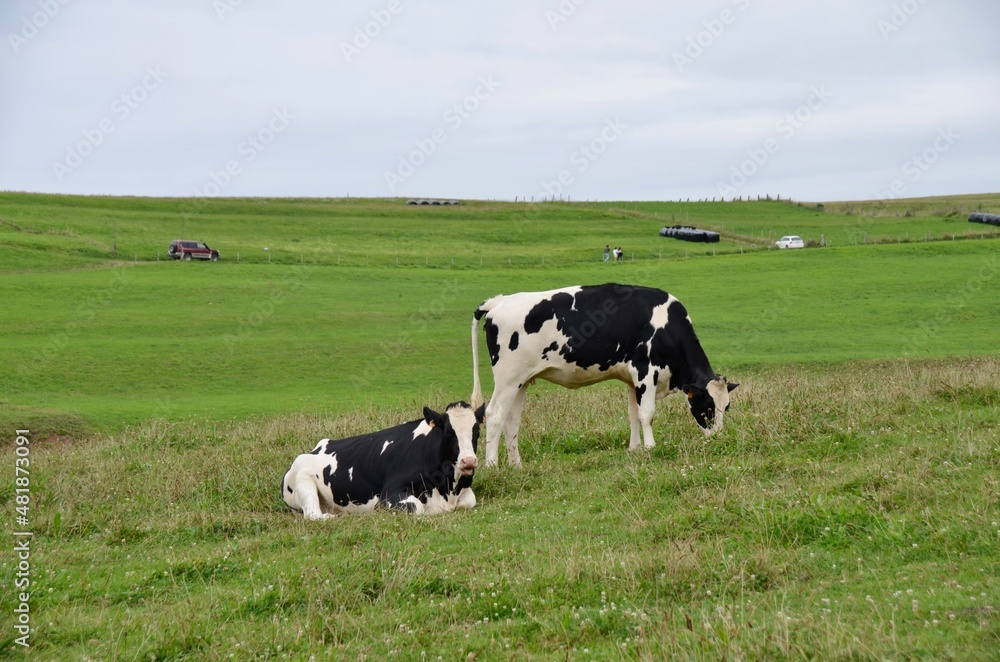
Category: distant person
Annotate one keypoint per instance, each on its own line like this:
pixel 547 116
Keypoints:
pixel 607 252
pixel 618 253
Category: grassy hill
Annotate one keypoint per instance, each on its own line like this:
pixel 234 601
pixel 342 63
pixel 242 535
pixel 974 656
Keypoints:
pixel 362 302
pixel 847 510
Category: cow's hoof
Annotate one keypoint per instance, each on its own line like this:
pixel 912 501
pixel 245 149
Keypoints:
pixel 319 518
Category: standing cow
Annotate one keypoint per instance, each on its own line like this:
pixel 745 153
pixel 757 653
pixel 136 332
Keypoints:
pixel 424 467
pixel 577 336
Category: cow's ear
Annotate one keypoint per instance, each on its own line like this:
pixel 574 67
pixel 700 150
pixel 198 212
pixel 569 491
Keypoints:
pixel 481 413
pixel 691 390
pixel 432 417
pixel 731 386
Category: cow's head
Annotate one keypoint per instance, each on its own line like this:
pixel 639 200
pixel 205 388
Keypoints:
pixel 460 425
pixel 708 403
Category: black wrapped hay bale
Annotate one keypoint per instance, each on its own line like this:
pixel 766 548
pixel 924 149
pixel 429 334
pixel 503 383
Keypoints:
pixel 689 233
pixel 435 203
pixel 980 217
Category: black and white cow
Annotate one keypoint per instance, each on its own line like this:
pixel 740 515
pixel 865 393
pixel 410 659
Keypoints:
pixel 424 466
pixel 577 336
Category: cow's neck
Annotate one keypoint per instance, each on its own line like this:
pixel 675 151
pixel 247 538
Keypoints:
pixel 691 366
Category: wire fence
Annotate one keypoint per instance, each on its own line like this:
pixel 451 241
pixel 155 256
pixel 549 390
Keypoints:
pixel 732 245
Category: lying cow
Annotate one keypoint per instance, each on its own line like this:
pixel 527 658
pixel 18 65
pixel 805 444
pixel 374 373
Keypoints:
pixel 582 335
pixel 424 467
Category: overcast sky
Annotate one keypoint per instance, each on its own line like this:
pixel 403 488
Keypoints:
pixel 590 99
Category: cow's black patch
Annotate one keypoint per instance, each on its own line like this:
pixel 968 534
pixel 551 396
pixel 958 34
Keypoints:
pixel 701 404
pixel 513 341
pixel 290 490
pixel 553 347
pixel 492 340
pixel 605 324
pixel 676 345
pixel 547 309
pixel 640 390
pixel 640 361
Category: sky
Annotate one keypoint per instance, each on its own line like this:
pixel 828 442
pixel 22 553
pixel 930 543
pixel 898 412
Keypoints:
pixel 572 99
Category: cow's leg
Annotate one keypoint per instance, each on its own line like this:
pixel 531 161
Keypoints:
pixel 498 413
pixel 307 496
pixel 633 421
pixel 403 500
pixel 301 486
pixel 512 426
pixel 466 499
pixel 646 404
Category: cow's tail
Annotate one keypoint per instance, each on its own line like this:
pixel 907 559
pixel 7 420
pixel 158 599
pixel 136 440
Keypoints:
pixel 477 388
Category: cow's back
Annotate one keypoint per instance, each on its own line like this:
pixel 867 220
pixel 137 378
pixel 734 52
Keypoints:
pixel 361 466
pixel 588 328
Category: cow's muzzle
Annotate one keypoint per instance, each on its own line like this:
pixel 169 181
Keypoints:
pixel 467 465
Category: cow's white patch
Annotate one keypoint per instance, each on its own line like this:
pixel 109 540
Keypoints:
pixel 350 474
pixel 423 429
pixel 309 493
pixel 359 508
pixel 718 389
pixel 660 313
pixel 418 505
pixel 466 499
pixel 437 503
pixel 463 420
pixel 386 445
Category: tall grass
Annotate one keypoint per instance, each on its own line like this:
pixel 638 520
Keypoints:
pixel 843 512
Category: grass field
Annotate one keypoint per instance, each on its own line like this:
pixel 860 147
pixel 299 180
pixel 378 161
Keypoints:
pixel 848 509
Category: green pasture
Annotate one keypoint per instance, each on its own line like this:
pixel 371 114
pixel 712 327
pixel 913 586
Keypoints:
pixel 55 232
pixel 95 341
pixel 848 509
